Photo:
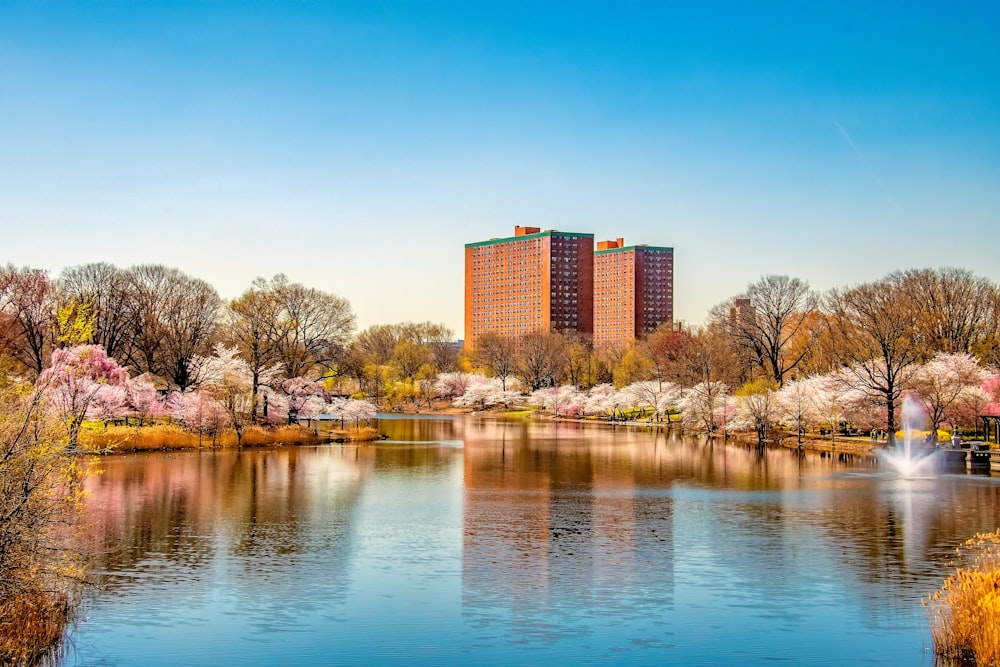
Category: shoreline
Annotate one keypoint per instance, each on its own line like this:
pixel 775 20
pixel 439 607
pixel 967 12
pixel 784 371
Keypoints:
pixel 841 444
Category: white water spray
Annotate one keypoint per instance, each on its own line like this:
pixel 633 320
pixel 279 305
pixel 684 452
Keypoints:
pixel 905 459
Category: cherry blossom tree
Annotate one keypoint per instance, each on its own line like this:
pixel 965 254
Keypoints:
pixel 275 407
pixel 564 400
pixel 661 396
pixel 198 411
pixel 75 378
pixel 349 409
pixel 944 383
pixel 227 378
pixel 794 406
pixel 109 403
pixel 306 398
pixel 451 385
pixel 602 399
pixel 756 407
pixel 488 393
pixel 144 400
pixel 701 406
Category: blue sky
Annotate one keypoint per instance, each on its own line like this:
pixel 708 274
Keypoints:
pixel 356 146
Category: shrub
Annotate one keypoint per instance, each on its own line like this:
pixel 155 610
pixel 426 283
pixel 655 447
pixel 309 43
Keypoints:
pixel 965 611
pixel 40 498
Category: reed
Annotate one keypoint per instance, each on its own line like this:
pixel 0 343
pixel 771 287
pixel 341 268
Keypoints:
pixel 139 439
pixel 32 626
pixel 965 611
pixel 363 433
pixel 167 436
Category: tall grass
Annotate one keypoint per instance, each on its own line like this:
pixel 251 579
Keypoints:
pixel 168 436
pixel 965 611
pixel 31 624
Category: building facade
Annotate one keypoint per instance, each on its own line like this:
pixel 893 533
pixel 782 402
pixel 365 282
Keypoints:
pixel 633 291
pixel 534 280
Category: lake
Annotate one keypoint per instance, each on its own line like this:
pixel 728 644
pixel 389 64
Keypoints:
pixel 465 541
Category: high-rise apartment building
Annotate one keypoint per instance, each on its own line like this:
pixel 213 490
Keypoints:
pixel 633 291
pixel 531 281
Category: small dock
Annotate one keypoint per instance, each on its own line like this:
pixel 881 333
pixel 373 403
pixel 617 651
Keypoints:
pixel 975 456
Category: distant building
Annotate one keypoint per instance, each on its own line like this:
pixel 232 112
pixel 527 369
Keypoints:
pixel 633 291
pixel 534 280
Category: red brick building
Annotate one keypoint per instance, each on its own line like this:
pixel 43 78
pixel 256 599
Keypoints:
pixel 531 281
pixel 633 291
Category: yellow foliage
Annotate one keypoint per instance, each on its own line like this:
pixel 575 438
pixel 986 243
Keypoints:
pixel 38 565
pixel 761 385
pixel 965 611
pixel 75 324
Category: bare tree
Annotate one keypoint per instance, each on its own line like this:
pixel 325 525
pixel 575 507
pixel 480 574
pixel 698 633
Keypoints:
pixel 498 355
pixel 766 319
pixel 176 317
pixel 578 367
pixel 377 342
pixel 27 304
pixel 708 356
pixel 107 290
pixel 876 335
pixel 956 311
pixel 314 328
pixel 540 358
pixel 252 328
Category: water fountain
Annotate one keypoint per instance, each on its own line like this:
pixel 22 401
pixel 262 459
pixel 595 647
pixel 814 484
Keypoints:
pixel 904 458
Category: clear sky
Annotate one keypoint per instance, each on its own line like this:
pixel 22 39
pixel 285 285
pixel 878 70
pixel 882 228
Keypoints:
pixel 357 146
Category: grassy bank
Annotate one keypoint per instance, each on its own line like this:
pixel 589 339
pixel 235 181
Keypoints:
pixel 159 437
pixel 965 612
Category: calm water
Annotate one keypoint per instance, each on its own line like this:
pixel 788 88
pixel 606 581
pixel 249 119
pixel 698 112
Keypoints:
pixel 474 542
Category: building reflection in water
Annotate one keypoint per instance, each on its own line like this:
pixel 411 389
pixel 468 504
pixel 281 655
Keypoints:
pixel 562 530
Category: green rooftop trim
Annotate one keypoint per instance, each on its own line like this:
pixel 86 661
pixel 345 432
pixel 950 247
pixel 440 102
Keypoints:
pixel 632 247
pixel 549 232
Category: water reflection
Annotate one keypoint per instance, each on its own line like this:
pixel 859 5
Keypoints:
pixel 516 542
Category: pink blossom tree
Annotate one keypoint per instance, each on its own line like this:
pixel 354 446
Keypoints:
pixel 942 383
pixel 453 385
pixel 602 399
pixel 144 400
pixel 659 395
pixel 564 400
pixel 74 379
pixel 306 398
pixel 226 377
pixel 349 409
pixel 198 411
pixel 488 393
pixel 109 403
pixel 704 406
pixel 794 405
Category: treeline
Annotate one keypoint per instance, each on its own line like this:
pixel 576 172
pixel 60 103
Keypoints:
pixel 156 320
pixel 920 331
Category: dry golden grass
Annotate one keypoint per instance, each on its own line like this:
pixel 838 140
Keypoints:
pixel 166 436
pixel 30 626
pixel 361 434
pixel 256 436
pixel 137 439
pixel 965 612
